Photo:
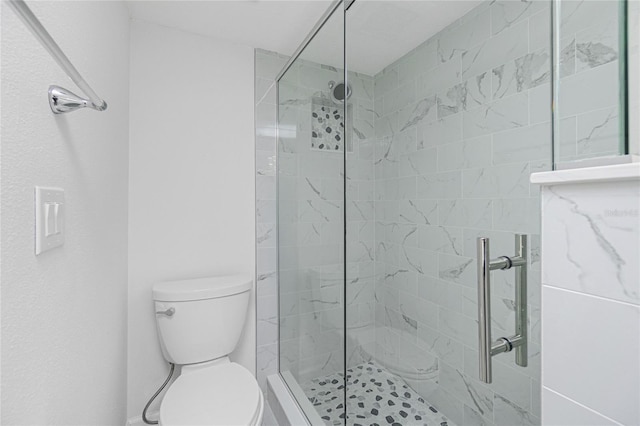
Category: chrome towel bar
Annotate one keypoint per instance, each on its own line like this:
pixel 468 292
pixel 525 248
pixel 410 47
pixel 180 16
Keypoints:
pixel 60 100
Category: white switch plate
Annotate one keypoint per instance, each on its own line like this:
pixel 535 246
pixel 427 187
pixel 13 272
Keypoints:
pixel 49 209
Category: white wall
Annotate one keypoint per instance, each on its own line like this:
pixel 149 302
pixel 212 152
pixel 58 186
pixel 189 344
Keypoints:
pixel 64 313
pixel 191 199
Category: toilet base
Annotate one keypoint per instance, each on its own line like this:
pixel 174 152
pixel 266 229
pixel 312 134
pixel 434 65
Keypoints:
pixel 217 392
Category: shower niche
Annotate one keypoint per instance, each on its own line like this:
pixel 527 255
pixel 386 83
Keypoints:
pixel 329 124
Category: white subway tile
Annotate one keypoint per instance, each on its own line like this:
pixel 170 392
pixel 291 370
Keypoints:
pixel 561 411
pixel 578 334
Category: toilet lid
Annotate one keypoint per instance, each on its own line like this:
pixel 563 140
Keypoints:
pixel 220 395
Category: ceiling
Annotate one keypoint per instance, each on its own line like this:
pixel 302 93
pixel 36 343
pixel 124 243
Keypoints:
pixel 274 25
pixel 379 32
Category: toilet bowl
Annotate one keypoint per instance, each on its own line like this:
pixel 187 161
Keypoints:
pixel 225 394
pixel 199 324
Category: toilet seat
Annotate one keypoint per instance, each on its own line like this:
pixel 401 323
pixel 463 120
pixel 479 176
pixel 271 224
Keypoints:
pixel 225 394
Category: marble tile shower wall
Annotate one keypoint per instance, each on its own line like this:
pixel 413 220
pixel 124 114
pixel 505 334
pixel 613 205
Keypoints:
pixel 267 65
pixel 310 229
pixel 360 222
pixel 311 222
pixel 461 122
pixel 588 106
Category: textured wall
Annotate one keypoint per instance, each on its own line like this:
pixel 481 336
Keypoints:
pixel 64 313
pixel 191 199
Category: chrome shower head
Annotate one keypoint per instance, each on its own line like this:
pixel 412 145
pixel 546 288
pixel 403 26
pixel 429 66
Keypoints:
pixel 339 91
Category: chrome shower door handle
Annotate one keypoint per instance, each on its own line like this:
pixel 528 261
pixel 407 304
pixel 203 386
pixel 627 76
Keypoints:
pixel 487 347
pixel 484 309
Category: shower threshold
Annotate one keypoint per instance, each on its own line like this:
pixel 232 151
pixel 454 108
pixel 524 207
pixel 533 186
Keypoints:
pixel 375 398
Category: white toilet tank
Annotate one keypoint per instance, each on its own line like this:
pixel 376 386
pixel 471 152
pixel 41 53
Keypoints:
pixel 201 319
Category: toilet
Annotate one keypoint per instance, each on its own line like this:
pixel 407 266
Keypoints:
pixel 199 324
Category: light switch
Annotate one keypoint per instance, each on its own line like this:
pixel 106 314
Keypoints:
pixel 49 212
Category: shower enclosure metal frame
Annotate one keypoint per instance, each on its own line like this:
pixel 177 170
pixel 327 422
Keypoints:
pixel 305 42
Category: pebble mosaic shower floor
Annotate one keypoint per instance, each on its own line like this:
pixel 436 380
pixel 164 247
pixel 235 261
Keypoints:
pixel 375 398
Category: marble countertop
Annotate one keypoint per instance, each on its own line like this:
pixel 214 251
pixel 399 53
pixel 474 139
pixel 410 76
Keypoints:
pixel 629 171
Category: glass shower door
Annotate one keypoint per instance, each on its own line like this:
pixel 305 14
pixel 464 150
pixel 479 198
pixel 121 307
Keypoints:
pixel 310 196
pixel 397 168
pixel 591 82
pixel 458 118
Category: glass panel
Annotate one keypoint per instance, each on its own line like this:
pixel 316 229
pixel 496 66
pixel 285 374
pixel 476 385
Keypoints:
pixel 360 243
pixel 590 79
pixel 311 146
pixel 443 146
